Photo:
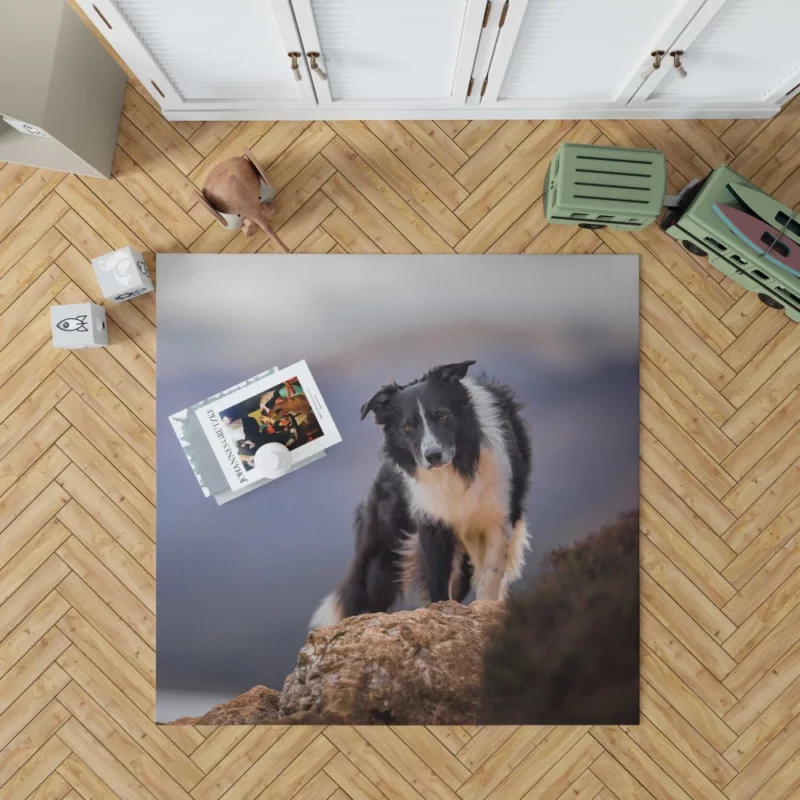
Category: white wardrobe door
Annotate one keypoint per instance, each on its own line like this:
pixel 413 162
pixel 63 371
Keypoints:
pixel 389 49
pixel 749 48
pixel 583 49
pixel 214 49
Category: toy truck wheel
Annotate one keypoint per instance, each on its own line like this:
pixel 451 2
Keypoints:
pixel 770 301
pixel 693 248
pixel 592 226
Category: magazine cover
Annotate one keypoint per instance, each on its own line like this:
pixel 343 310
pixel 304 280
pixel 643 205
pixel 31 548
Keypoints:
pixel 285 407
pixel 196 446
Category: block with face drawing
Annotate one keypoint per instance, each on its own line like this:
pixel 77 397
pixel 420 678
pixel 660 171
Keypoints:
pixel 122 274
pixel 78 325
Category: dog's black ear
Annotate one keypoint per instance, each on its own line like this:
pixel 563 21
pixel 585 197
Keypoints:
pixel 451 372
pixel 379 400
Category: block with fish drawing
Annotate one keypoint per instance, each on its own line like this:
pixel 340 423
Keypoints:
pixel 122 275
pixel 78 325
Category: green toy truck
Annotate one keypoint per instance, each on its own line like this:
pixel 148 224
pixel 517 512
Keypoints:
pixel 701 231
pixel 609 187
pixel 605 187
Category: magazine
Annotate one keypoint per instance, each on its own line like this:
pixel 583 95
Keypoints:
pixel 284 406
pixel 197 448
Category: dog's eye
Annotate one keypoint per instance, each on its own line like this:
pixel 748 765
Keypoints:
pixel 408 426
pixel 442 415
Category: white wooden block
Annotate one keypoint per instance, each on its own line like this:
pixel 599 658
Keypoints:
pixel 78 325
pixel 122 274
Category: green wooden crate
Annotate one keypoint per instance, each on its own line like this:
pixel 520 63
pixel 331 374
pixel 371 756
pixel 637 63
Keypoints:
pixel 697 226
pixel 605 187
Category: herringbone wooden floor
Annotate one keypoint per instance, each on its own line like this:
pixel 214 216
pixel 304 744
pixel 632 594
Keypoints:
pixel 720 462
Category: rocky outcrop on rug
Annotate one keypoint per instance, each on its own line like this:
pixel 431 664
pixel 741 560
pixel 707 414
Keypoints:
pixel 410 667
pixel 419 667
pixel 259 706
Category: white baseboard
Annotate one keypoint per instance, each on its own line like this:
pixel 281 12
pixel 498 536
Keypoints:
pixel 214 112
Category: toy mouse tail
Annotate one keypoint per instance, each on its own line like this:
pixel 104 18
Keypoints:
pixel 270 231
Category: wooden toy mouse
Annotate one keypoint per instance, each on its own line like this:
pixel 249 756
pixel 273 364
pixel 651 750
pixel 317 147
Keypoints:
pixel 238 193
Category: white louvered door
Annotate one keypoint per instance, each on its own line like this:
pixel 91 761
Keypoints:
pixel 432 59
pixel 737 51
pixel 579 54
pixel 390 53
pixel 207 53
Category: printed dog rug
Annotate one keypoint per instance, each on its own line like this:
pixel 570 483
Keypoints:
pixel 398 489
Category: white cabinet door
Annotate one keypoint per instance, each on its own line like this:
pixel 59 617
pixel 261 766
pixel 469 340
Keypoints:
pixel 579 54
pixel 736 51
pixel 208 54
pixel 390 54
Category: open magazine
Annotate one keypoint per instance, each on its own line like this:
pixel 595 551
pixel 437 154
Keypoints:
pixel 220 435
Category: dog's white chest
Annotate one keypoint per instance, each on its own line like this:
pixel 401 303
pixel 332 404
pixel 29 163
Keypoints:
pixel 470 508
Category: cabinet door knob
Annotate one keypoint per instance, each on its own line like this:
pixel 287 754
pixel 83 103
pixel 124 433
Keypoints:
pixel 676 59
pixel 313 56
pixel 294 55
pixel 658 56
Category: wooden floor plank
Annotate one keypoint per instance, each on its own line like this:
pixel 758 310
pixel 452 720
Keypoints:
pixel 494 152
pixel 685 412
pixel 31 593
pixel 209 135
pixel 226 773
pixel 18 279
pixel 152 776
pixel 675 583
pixel 511 170
pixel 692 635
pixel 30 230
pixel 110 444
pixel 110 624
pixel 106 768
pixel 38 768
pixel 32 738
pixel 109 588
pixel 152 740
pixel 427 169
pixel 452 127
pixel 701 763
pixel 640 765
pixel 429 226
pixel 618 782
pixel 160 132
pixel 12 176
pixel 351 780
pixel 437 143
pixel 681 553
pixel 144 153
pixel 299 154
pixel 31 629
pixel 475 134
pixel 365 224
pixel 714 481
pixel 136 573
pixel 147 192
pixel 30 557
pixel 23 712
pixel 678 297
pixel 772 612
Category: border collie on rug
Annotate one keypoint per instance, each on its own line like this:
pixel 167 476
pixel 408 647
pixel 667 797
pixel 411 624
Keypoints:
pixel 446 508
